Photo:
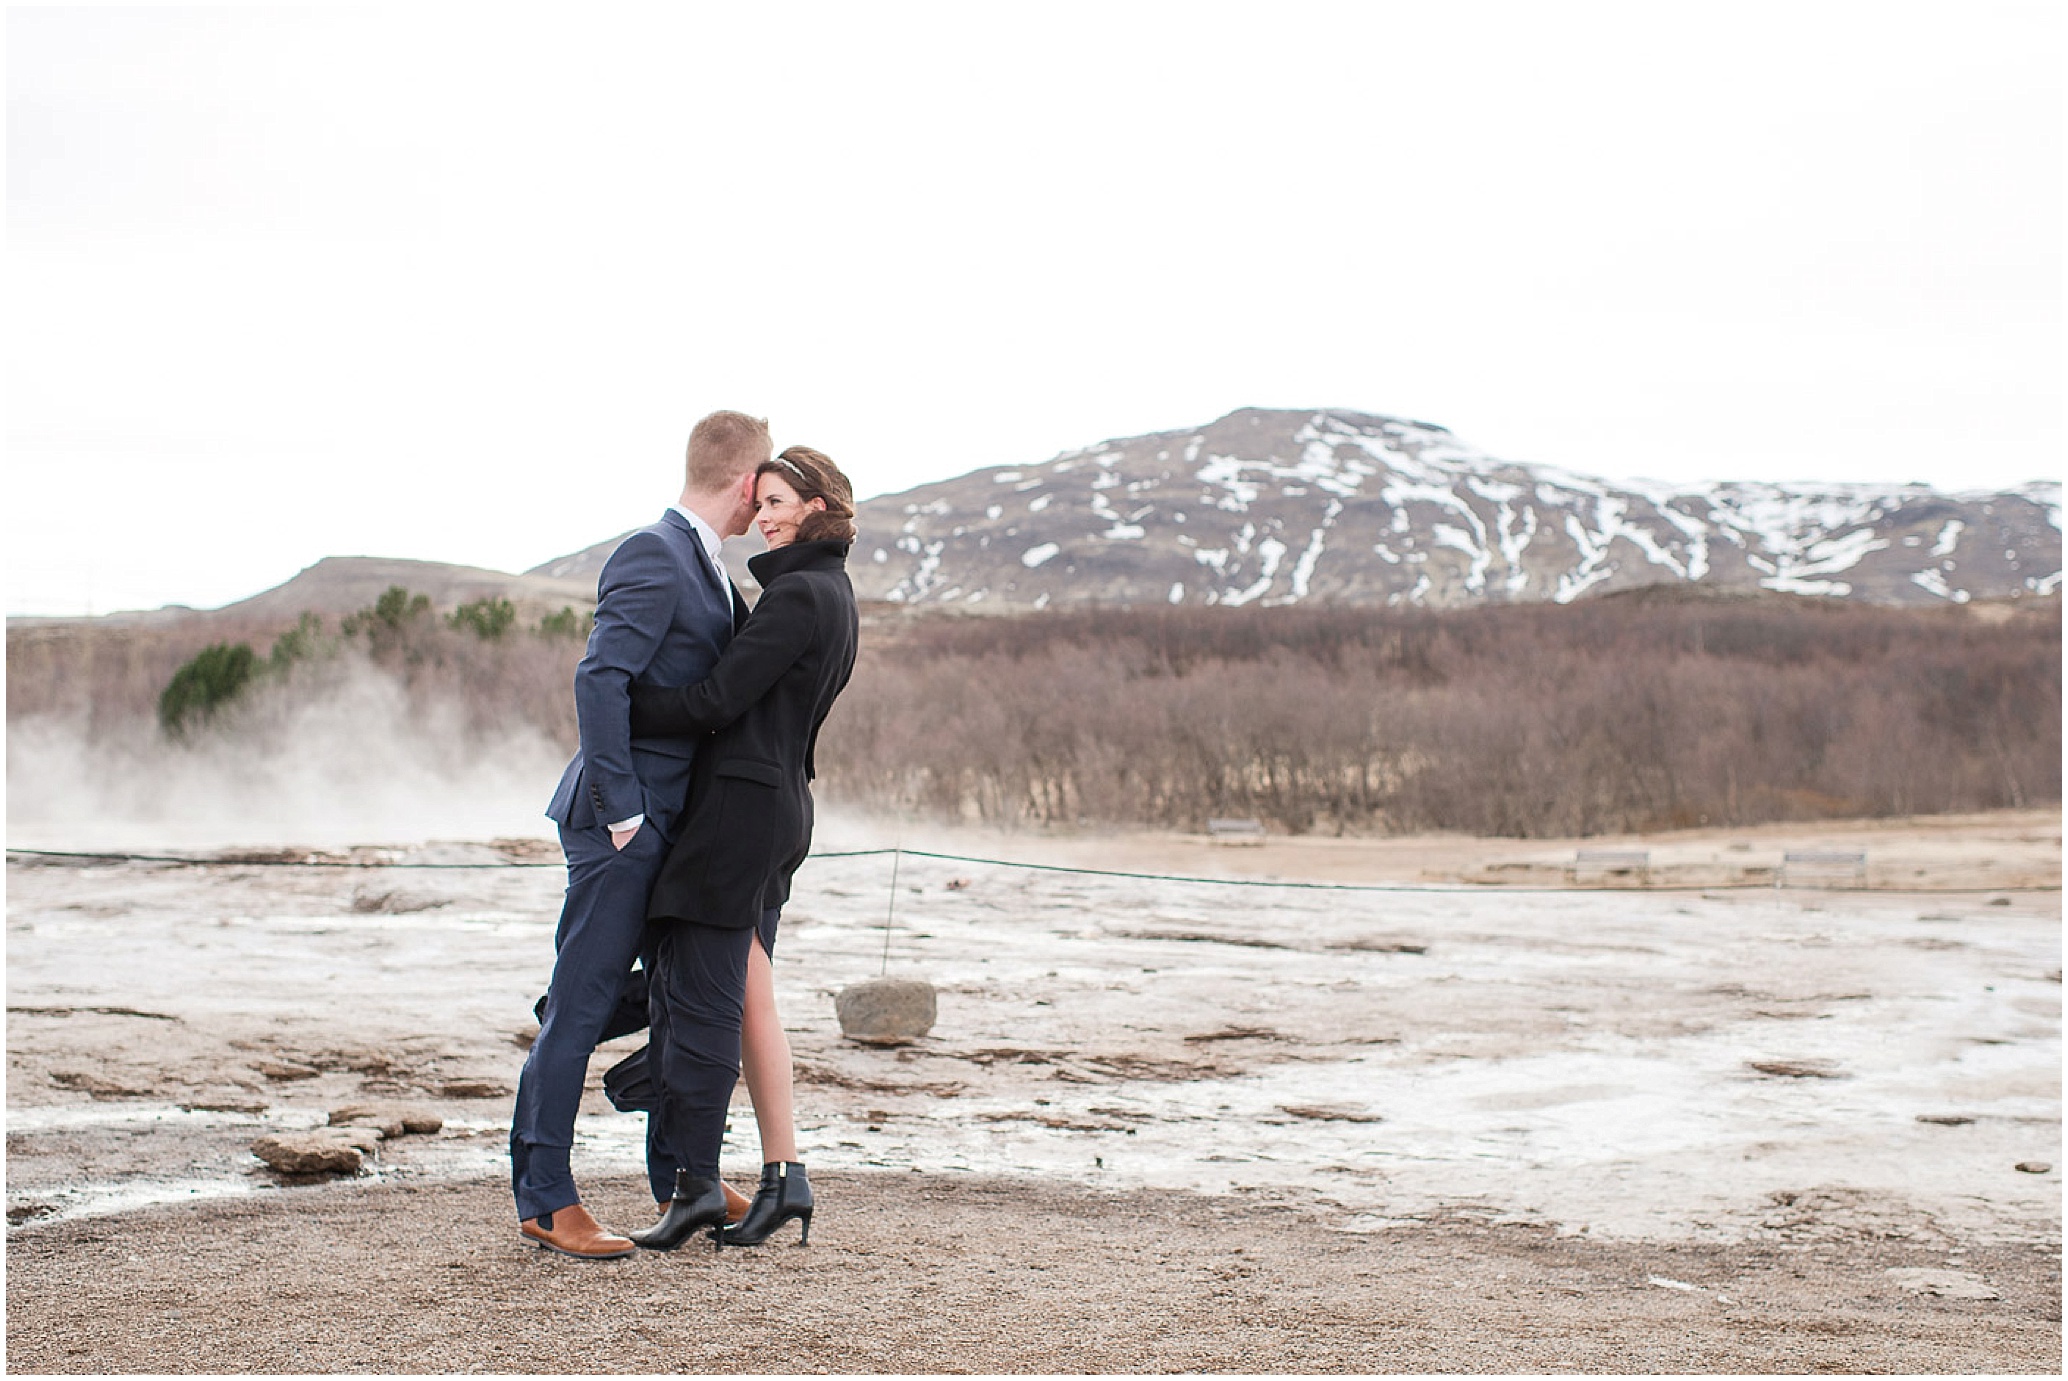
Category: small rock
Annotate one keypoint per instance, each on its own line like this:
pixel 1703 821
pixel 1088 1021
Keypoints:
pixel 99 1085
pixel 2034 1167
pixel 886 1011
pixel 1797 1069
pixel 282 1071
pixel 368 903
pixel 1946 1284
pixel 393 1119
pixel 251 1106
pixel 1945 1119
pixel 325 1151
pixel 472 1088
pixel 1323 1112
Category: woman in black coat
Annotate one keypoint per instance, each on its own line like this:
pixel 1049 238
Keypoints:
pixel 745 830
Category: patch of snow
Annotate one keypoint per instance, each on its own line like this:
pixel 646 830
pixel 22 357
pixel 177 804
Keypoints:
pixel 1303 569
pixel 1949 537
pixel 1121 532
pixel 1006 477
pixel 1789 584
pixel 1828 557
pixel 1043 502
pixel 1593 567
pixel 1272 551
pixel 1458 539
pixel 1936 584
pixel 927 576
pixel 994 512
pixel 1177 592
pixel 1035 556
pixel 1225 473
pixel 2044 495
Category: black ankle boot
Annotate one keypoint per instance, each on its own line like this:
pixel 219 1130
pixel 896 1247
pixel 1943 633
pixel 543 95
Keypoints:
pixel 785 1194
pixel 697 1202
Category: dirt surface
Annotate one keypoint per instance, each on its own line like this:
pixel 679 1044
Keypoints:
pixel 1158 1125
pixel 917 1273
pixel 2007 849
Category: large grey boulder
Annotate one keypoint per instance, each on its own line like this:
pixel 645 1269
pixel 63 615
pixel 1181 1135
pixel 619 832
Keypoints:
pixel 324 1151
pixel 886 1011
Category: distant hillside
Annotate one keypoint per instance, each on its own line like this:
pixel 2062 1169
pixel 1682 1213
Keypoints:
pixel 1335 507
pixel 339 585
pixel 342 584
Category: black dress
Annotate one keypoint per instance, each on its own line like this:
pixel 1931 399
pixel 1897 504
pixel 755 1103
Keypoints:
pixel 747 824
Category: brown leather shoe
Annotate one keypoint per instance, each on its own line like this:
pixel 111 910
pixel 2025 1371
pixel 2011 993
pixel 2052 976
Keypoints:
pixel 572 1232
pixel 736 1204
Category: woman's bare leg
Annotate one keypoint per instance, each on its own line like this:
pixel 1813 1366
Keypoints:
pixel 765 1061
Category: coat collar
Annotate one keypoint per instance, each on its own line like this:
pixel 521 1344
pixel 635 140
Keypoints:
pixel 798 556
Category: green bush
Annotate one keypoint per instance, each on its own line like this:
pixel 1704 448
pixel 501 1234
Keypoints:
pixel 565 624
pixel 297 644
pixel 211 679
pixel 390 613
pixel 487 619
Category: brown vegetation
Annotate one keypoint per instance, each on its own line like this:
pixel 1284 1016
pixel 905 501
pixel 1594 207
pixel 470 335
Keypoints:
pixel 1618 714
pixel 1625 713
pixel 108 679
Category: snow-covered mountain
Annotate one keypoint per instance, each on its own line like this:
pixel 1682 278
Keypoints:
pixel 1279 507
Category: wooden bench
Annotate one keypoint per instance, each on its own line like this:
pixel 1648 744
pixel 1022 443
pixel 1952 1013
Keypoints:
pixel 1633 863
pixel 1233 831
pixel 1826 864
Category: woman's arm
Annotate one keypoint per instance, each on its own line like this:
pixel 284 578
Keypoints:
pixel 776 634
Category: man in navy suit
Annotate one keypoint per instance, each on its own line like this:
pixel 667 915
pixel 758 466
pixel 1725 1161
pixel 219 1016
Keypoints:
pixel 664 611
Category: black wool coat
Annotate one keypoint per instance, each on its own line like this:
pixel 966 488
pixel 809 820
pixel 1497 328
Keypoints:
pixel 747 824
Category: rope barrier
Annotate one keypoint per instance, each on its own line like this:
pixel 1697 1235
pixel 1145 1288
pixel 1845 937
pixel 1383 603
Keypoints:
pixel 264 862
pixel 1454 888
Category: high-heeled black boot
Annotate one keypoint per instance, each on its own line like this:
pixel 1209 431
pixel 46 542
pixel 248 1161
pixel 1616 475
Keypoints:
pixel 697 1202
pixel 785 1194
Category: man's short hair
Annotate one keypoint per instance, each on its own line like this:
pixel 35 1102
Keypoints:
pixel 724 448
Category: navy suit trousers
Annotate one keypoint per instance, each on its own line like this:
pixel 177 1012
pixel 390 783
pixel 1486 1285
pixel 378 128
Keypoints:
pixel 602 923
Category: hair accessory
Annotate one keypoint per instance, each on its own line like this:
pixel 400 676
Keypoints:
pixel 788 464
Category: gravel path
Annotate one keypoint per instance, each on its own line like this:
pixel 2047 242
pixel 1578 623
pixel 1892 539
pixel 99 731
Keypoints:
pixel 918 1273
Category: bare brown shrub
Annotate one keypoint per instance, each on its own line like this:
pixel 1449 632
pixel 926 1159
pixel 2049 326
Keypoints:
pixel 106 677
pixel 1625 713
pixel 1618 714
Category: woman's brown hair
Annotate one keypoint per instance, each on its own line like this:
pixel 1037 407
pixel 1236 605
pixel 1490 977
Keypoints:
pixel 814 476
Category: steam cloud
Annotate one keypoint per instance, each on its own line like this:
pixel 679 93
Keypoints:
pixel 352 761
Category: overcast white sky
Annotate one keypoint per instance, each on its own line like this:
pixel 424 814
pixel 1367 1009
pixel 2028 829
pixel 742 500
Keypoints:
pixel 452 282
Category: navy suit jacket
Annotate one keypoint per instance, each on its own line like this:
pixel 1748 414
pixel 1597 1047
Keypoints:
pixel 664 612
